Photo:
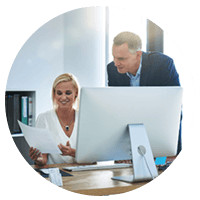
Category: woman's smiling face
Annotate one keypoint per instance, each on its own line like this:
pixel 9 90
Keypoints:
pixel 65 94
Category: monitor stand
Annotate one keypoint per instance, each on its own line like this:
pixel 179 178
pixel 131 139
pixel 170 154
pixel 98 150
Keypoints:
pixel 144 168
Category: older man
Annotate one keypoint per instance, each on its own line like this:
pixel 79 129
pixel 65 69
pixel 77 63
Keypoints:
pixel 132 67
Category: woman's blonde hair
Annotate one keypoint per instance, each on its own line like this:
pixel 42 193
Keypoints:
pixel 66 78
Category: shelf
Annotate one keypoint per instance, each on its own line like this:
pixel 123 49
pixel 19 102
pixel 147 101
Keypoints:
pixel 20 90
pixel 17 135
pixel 16 108
pixel 13 102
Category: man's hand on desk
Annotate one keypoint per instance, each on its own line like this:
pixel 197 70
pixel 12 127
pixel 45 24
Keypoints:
pixel 67 150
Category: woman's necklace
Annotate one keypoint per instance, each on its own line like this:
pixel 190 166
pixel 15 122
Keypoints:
pixel 67 127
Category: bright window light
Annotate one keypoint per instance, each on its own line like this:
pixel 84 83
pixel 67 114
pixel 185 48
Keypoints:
pixel 171 49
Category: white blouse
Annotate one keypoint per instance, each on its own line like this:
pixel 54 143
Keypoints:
pixel 50 121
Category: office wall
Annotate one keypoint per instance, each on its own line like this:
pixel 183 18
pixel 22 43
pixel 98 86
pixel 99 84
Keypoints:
pixel 84 50
pixel 72 42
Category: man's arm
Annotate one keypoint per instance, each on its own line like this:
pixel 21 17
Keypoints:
pixel 170 76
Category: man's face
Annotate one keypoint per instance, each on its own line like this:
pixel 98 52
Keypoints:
pixel 124 60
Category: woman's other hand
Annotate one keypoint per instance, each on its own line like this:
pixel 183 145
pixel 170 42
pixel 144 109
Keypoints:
pixel 67 150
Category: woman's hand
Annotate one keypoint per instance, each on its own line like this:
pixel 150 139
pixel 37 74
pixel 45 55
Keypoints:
pixel 67 150
pixel 37 156
pixel 34 154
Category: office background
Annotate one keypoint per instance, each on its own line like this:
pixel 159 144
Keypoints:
pixel 80 42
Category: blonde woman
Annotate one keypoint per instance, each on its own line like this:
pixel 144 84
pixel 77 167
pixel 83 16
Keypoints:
pixel 61 121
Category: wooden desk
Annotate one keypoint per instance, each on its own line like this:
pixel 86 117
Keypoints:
pixel 97 182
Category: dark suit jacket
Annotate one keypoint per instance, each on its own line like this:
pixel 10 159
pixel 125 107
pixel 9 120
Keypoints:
pixel 157 70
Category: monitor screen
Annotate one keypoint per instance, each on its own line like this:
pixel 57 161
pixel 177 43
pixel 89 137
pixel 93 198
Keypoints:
pixel 106 112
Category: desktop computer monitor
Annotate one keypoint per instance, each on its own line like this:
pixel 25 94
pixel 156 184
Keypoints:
pixel 105 113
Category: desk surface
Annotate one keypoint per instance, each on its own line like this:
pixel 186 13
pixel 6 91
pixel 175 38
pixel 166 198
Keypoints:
pixel 97 182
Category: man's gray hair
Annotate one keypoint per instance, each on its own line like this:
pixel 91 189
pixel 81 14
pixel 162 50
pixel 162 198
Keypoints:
pixel 133 40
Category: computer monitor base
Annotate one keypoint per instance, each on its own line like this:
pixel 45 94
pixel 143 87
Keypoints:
pixel 144 168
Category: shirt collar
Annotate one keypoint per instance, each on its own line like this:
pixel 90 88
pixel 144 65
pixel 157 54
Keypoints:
pixel 138 71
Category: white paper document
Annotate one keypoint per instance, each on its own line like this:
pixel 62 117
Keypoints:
pixel 40 139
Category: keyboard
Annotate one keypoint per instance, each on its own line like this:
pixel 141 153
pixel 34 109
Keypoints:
pixel 96 167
